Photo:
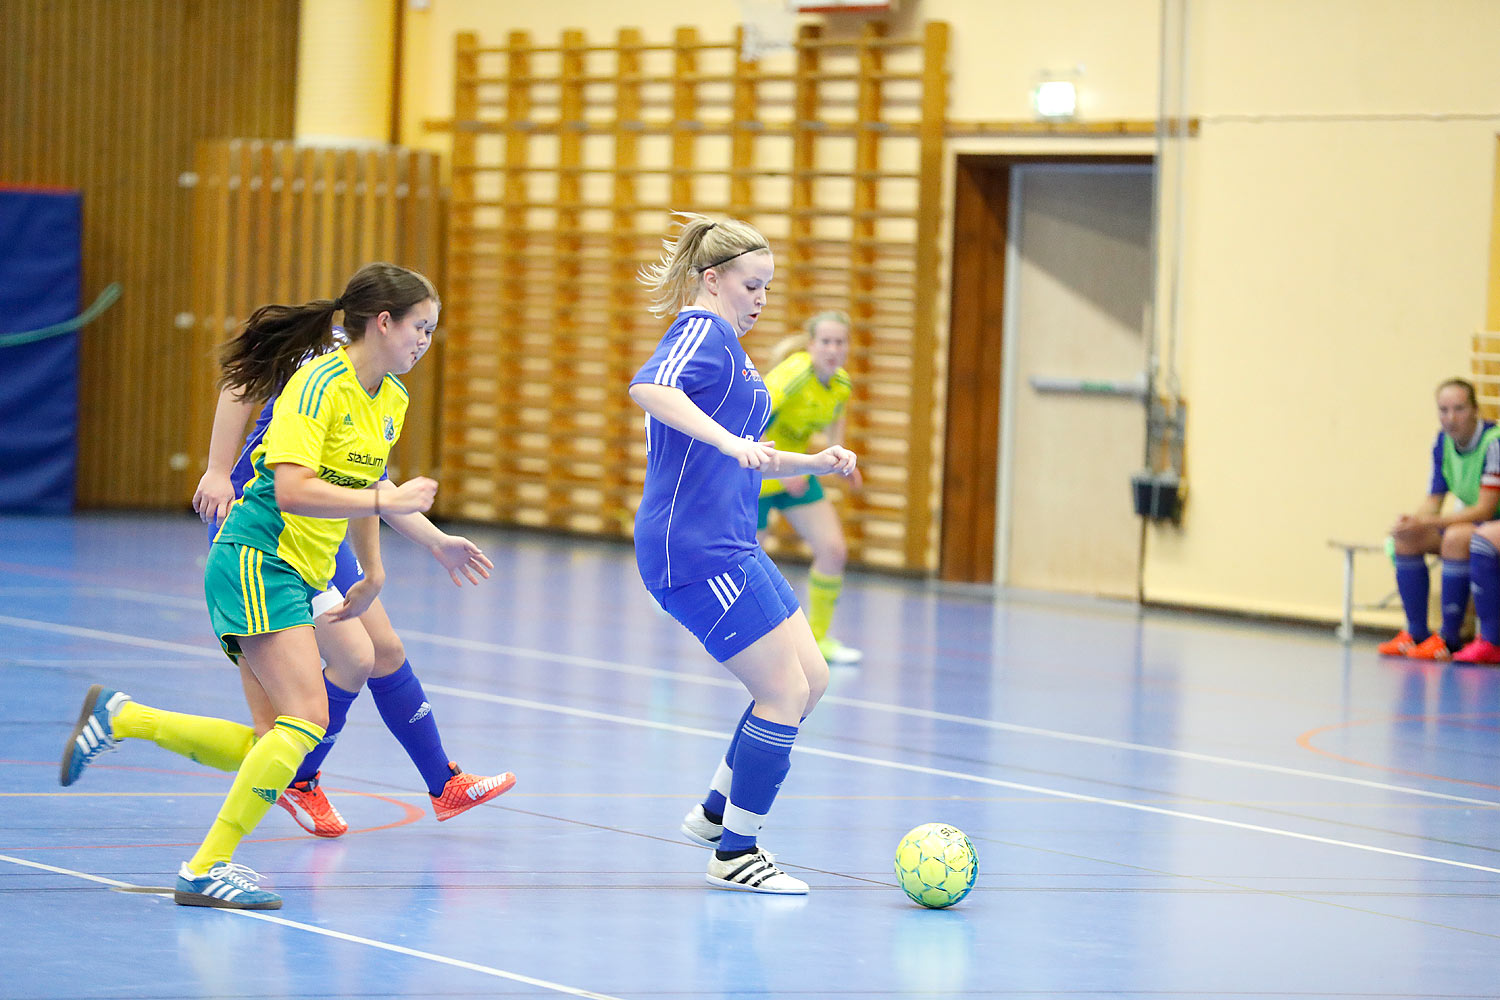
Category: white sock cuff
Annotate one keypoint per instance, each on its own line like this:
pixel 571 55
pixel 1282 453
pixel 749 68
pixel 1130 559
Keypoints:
pixel 722 777
pixel 743 821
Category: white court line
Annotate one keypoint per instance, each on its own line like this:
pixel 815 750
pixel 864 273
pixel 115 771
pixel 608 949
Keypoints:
pixel 940 772
pixel 958 775
pixel 119 637
pixel 341 936
pixel 614 666
pixel 924 713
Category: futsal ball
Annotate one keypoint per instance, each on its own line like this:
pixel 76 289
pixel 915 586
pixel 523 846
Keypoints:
pixel 936 865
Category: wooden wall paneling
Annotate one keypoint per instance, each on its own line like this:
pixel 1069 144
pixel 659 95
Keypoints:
pixel 924 342
pixel 110 99
pixel 865 231
pixel 565 350
pixel 622 416
pixel 744 104
pixel 805 117
pixel 278 223
pixel 553 271
pixel 686 124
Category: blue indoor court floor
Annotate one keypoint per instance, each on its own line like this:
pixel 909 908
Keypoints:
pixel 1163 804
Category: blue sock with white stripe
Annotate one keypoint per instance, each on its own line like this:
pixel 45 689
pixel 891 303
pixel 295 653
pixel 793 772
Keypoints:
pixel 403 705
pixel 761 760
pixel 718 789
pixel 1412 582
pixel 1455 599
pixel 339 701
pixel 1484 568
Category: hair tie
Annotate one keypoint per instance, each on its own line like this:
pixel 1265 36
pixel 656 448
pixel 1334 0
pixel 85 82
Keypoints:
pixel 338 304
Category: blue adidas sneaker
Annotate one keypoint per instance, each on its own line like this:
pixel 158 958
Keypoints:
pixel 93 735
pixel 227 885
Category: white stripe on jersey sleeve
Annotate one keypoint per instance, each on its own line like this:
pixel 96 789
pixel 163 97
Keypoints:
pixel 682 352
pixel 683 337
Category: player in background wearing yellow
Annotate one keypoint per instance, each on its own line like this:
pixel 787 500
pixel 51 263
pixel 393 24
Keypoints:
pixel 317 474
pixel 809 392
pixel 358 653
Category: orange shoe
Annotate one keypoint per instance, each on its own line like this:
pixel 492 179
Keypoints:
pixel 465 791
pixel 1402 644
pixel 1431 648
pixel 311 809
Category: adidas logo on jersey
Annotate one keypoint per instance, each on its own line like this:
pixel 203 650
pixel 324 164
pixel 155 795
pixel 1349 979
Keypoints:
pixel 348 420
pixel 422 713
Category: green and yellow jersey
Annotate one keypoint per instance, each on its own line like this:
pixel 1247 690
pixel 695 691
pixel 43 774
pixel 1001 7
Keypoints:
pixel 801 406
pixel 323 420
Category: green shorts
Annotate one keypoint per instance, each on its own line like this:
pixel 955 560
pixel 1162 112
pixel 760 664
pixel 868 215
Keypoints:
pixel 781 499
pixel 251 592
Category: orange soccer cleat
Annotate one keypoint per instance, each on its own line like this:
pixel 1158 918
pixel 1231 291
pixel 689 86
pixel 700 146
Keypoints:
pixel 465 791
pixel 1431 648
pixel 310 807
pixel 1402 644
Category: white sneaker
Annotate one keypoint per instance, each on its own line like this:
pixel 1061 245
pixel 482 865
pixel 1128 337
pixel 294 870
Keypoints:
pixel 753 872
pixel 697 827
pixel 837 654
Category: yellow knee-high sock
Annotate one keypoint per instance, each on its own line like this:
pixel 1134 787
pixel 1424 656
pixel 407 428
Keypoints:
pixel 216 742
pixel 263 776
pixel 822 595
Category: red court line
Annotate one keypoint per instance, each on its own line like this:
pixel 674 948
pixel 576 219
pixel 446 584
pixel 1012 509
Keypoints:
pixel 410 813
pixel 1305 742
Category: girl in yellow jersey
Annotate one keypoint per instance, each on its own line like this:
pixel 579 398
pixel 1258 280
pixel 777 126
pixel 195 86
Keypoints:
pixel 317 472
pixel 809 392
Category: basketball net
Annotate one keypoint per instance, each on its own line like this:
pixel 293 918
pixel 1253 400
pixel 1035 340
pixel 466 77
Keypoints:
pixel 769 26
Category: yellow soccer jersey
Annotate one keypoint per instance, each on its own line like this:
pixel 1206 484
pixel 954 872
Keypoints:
pixel 325 421
pixel 801 405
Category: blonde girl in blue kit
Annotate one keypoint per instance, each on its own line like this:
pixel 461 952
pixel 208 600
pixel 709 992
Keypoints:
pixel 695 544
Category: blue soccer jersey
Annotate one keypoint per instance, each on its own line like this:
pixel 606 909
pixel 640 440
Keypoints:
pixel 697 514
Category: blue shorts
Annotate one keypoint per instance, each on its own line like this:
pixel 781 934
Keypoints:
pixel 730 611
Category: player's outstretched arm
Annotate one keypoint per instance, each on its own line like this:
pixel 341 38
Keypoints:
pixel 456 554
pixel 834 458
pixel 672 407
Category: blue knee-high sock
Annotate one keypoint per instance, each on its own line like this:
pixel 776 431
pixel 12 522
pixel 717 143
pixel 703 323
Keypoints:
pixel 1455 599
pixel 403 705
pixel 1484 568
pixel 339 701
pixel 761 760
pixel 718 789
pixel 1412 582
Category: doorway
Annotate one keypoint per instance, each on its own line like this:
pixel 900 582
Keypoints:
pixel 1052 281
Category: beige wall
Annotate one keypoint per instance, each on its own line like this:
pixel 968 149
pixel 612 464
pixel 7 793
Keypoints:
pixel 1336 239
pixel 344 61
pixel 1337 206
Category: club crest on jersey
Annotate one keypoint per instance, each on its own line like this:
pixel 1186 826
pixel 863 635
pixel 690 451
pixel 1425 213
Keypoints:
pixel 390 429
pixel 750 374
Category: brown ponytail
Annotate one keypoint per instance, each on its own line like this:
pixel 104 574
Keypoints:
pixel 277 339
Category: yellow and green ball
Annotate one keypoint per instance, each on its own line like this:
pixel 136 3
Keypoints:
pixel 936 865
